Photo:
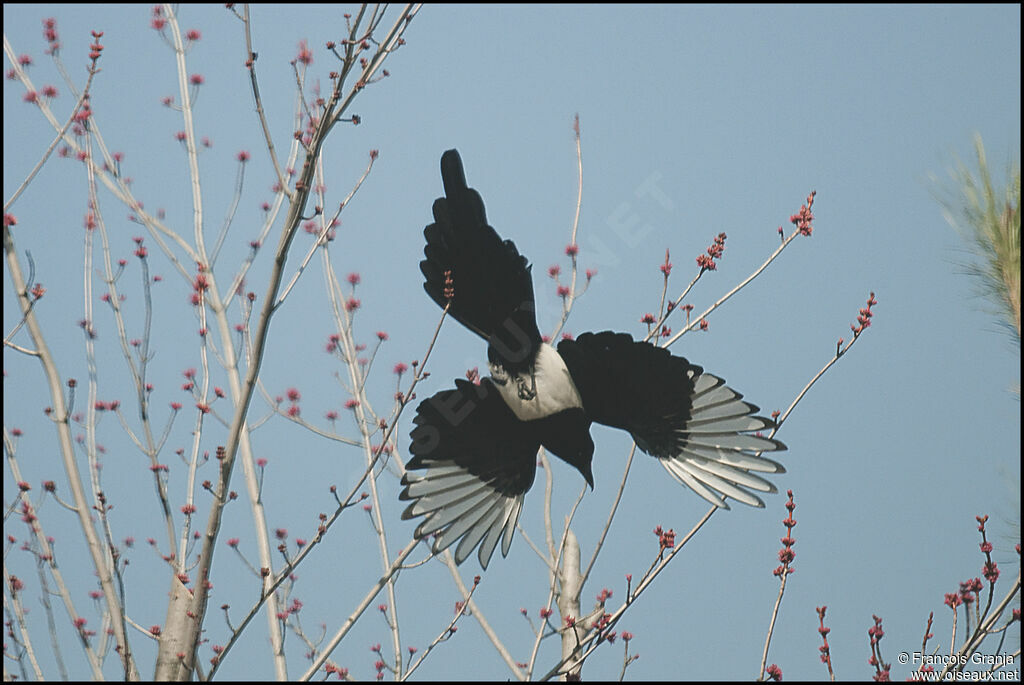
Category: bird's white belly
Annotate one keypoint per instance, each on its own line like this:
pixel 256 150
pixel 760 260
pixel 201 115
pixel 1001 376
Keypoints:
pixel 548 390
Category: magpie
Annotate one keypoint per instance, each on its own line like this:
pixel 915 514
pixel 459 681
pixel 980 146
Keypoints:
pixel 474 447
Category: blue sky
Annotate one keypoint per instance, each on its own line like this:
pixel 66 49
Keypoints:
pixel 734 114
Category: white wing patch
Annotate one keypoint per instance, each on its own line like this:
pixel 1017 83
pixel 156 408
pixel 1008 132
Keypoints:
pixel 717 450
pixel 458 504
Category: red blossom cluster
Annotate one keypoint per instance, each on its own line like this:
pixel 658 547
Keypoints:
pixel 864 316
pixel 449 285
pixel 666 538
pixel 95 48
pixel 140 250
pixel 990 569
pixel 158 22
pixel 706 261
pixel 50 34
pixel 305 55
pixel 332 343
pixel 786 554
pixel 969 590
pixel 340 671
pixel 802 219
pixel 826 654
pixel 876 634
pixel 200 285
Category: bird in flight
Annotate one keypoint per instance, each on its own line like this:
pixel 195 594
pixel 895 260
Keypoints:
pixel 474 447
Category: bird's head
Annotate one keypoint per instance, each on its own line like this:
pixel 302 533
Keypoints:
pixel 567 436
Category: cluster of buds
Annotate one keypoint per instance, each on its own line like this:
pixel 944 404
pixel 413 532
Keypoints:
pixel 786 554
pixel 876 634
pixel 95 48
pixel 706 261
pixel 666 538
pixel 864 316
pixel 50 34
pixel 305 55
pixel 969 590
pixel 340 671
pixel 826 654
pixel 158 22
pixel 802 219
pixel 449 285
pixel 990 569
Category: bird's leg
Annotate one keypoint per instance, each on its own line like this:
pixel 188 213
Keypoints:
pixel 527 393
pixel 499 375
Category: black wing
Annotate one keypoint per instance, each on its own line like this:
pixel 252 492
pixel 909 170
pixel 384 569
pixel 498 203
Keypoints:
pixel 698 428
pixel 478 461
pixel 490 281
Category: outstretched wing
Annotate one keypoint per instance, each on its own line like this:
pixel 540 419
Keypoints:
pixel 699 429
pixel 473 462
pixel 490 282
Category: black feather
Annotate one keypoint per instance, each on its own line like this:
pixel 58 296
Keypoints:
pixel 491 284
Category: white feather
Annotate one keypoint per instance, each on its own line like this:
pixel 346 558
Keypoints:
pixel 549 387
pixel 717 450
pixel 461 507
